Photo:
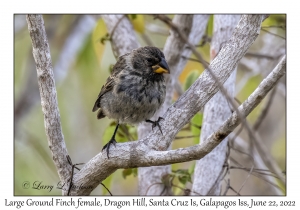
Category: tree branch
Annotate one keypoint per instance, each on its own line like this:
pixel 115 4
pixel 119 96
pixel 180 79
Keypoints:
pixel 216 111
pixel 123 39
pixel 241 145
pixel 30 95
pixel 246 21
pixel 172 51
pixel 42 57
pixel 149 150
pixel 140 153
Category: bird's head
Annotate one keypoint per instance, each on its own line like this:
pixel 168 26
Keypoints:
pixel 149 60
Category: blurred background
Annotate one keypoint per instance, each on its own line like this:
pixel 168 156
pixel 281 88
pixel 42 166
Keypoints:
pixel 82 59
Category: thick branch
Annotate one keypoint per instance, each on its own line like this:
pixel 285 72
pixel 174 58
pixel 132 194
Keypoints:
pixel 123 39
pixel 30 95
pixel 136 154
pixel 172 50
pixel 42 57
pixel 247 21
pixel 216 111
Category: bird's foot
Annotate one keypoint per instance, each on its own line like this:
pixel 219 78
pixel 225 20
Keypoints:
pixel 112 141
pixel 156 123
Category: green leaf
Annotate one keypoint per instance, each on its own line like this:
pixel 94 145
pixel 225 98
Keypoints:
pixel 108 133
pixel 126 172
pixel 180 172
pixel 111 67
pixel 210 26
pixel 197 121
pixel 105 38
pixel 135 172
pixel 183 176
pixel 182 179
pixel 192 168
pixel 133 16
pixel 191 78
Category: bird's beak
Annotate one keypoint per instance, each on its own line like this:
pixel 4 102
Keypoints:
pixel 162 67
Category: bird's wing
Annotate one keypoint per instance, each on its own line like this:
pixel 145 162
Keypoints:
pixel 110 82
pixel 109 85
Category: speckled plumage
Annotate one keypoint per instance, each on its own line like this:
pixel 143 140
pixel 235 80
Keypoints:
pixel 135 90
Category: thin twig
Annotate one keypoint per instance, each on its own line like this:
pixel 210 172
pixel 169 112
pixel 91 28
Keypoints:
pixel 275 26
pixel 256 170
pixel 152 186
pixel 184 137
pixel 257 175
pixel 251 133
pixel 258 55
pixel 227 187
pixel 196 126
pixel 92 170
pixel 269 32
pixel 193 59
pixel 113 30
pixel 166 20
pixel 231 188
pixel 265 110
pixel 147 39
pixel 106 188
pixel 125 130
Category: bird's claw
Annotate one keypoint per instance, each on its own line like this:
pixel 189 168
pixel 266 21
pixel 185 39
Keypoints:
pixel 112 141
pixel 156 123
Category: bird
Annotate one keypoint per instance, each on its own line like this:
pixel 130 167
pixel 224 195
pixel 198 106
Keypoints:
pixel 135 90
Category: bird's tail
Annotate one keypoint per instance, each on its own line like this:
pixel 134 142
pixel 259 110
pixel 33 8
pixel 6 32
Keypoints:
pixel 100 114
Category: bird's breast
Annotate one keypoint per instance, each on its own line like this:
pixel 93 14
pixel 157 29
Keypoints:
pixel 137 99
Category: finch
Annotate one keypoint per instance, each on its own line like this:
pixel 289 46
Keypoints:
pixel 135 90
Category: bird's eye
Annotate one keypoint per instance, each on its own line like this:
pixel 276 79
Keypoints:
pixel 150 60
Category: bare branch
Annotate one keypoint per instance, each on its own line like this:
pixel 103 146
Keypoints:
pixel 149 150
pixel 122 34
pixel 246 21
pixel 239 143
pixel 216 111
pixel 29 96
pixel 272 33
pixel 141 153
pixel 265 110
pixel 42 57
pixel 172 50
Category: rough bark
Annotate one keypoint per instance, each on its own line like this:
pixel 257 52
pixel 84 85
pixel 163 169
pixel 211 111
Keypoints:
pixel 42 57
pixel 172 50
pixel 149 150
pixel 123 38
pixel 142 153
pixel 216 111
pixel 30 94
